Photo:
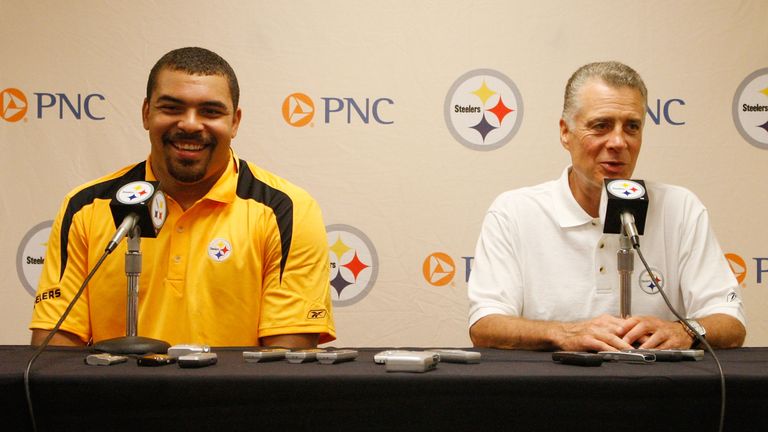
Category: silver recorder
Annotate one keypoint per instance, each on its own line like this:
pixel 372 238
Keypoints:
pixel 412 361
pixel 177 351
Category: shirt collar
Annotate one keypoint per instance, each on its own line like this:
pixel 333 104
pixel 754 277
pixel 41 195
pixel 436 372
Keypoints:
pixel 567 211
pixel 225 188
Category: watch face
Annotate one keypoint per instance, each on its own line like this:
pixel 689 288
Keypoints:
pixel 698 327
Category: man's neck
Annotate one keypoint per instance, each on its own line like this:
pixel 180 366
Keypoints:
pixel 587 196
pixel 185 194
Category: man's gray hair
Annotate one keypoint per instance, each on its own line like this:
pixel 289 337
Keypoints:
pixel 613 73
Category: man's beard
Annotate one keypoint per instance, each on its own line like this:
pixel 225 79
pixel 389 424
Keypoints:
pixel 185 170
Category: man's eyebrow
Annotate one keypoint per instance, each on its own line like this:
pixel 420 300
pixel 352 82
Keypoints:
pixel 600 119
pixel 169 99
pixel 211 103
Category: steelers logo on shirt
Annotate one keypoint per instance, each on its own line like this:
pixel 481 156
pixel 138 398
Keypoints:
pixel 219 249
pixel 648 285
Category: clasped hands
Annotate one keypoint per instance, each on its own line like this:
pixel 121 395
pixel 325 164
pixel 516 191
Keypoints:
pixel 611 333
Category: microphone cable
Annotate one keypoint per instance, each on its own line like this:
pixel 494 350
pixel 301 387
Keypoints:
pixel 52 333
pixel 699 337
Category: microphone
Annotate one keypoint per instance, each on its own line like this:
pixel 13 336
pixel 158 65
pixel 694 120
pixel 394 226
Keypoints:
pixel 627 208
pixel 137 204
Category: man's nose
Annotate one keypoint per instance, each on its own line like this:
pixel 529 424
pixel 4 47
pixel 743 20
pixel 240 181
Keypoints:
pixel 617 139
pixel 190 121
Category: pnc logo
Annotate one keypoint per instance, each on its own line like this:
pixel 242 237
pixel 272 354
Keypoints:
pixel 42 105
pixel 298 109
pixel 14 105
pixel 738 266
pixel 438 269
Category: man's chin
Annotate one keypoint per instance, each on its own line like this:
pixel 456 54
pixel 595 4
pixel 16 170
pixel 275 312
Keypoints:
pixel 186 175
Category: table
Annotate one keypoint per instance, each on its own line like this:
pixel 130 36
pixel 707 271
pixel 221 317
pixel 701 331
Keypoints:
pixel 509 390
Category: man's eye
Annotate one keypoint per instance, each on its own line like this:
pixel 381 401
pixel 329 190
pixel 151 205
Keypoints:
pixel 169 108
pixel 211 112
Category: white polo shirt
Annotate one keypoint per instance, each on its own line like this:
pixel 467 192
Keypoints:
pixel 540 256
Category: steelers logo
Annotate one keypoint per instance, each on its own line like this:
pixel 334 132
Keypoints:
pixel 219 249
pixel 354 264
pixel 750 109
pixel 483 109
pixel 648 285
pixel 626 189
pixel 135 192
pixel 30 255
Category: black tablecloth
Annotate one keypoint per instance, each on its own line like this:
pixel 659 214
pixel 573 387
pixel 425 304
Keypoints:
pixel 508 390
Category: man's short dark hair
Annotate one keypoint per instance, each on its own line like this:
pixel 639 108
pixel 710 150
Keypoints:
pixel 195 61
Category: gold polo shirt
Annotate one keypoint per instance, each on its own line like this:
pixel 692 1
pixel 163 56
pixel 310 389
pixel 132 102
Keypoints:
pixel 248 260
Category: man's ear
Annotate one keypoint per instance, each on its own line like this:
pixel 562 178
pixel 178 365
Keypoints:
pixel 564 134
pixel 145 114
pixel 236 122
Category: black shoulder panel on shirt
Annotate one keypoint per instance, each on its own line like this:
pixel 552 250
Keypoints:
pixel 249 187
pixel 103 190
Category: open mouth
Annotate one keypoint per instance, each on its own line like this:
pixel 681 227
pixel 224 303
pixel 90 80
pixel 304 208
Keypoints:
pixel 187 143
pixel 613 166
pixel 187 146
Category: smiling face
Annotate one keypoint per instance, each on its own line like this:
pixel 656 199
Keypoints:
pixel 603 138
pixel 191 122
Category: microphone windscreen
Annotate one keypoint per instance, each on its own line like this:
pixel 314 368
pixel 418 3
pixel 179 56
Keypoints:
pixel 146 200
pixel 625 195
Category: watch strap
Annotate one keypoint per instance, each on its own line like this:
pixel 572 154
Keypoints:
pixel 696 325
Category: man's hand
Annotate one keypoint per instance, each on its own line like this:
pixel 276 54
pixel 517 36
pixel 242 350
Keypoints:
pixel 654 333
pixel 603 333
pixel 723 331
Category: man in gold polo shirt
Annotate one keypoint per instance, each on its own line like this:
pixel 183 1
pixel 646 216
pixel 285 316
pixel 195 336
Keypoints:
pixel 242 258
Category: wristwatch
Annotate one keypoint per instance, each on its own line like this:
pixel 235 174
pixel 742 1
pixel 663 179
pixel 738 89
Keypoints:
pixel 696 326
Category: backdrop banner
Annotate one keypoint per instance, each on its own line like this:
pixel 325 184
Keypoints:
pixel 403 119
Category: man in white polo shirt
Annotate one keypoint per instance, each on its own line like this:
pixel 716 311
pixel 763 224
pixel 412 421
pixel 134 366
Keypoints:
pixel 545 276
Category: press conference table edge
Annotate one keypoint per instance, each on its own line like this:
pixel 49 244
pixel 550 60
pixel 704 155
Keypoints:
pixel 524 389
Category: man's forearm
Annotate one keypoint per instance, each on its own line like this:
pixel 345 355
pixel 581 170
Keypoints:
pixel 723 331
pixel 61 338
pixel 500 331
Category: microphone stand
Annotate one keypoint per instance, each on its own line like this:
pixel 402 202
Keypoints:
pixel 132 343
pixel 625 257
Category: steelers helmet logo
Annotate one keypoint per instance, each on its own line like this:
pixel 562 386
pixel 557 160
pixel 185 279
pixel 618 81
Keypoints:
pixel 626 189
pixel 483 109
pixel 750 109
pixel 219 249
pixel 648 285
pixel 30 255
pixel 135 192
pixel 354 264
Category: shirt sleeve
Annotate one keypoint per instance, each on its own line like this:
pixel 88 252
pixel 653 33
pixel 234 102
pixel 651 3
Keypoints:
pixel 297 295
pixel 707 283
pixel 64 271
pixel 495 284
